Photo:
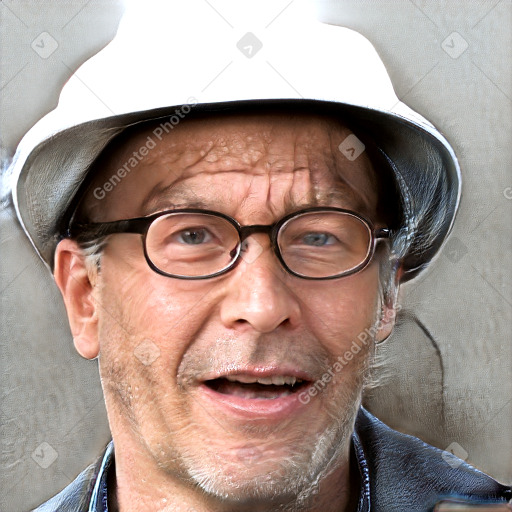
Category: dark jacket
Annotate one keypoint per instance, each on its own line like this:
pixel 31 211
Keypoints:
pixel 399 473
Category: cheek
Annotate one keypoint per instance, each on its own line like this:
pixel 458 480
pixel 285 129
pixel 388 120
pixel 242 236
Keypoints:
pixel 341 317
pixel 147 323
pixel 141 311
pixel 339 311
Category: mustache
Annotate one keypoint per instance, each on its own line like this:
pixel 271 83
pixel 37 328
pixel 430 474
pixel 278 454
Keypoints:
pixel 233 353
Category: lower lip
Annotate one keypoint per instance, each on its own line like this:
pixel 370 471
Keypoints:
pixel 253 408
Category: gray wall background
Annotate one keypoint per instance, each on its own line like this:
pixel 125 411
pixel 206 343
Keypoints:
pixel 445 374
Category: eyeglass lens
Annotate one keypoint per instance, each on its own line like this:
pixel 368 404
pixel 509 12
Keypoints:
pixel 313 244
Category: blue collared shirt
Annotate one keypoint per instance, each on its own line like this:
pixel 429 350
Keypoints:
pixel 99 497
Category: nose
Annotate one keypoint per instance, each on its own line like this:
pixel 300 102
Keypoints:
pixel 258 291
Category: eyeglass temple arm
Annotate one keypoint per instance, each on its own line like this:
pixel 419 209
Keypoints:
pixel 382 233
pixel 100 229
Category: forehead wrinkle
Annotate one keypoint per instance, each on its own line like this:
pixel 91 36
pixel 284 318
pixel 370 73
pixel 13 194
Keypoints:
pixel 308 172
pixel 303 190
pixel 301 177
pixel 178 194
pixel 202 152
pixel 184 197
pixel 240 153
pixel 309 176
pixel 365 196
pixel 235 149
pixel 311 168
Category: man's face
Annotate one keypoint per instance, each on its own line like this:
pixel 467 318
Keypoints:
pixel 179 358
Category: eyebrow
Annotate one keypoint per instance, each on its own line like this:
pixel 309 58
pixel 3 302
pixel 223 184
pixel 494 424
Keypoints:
pixel 338 197
pixel 171 196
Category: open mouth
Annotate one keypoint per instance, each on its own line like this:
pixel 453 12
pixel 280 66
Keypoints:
pixel 248 387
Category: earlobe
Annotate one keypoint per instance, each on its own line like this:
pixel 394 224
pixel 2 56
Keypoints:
pixel 74 281
pixel 385 324
pixel 390 309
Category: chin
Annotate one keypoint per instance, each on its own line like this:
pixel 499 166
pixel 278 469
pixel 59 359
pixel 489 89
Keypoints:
pixel 288 483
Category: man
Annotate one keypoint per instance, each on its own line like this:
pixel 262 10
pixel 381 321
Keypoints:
pixel 232 265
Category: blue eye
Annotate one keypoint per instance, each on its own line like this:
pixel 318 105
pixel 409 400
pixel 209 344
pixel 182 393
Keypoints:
pixel 194 236
pixel 319 239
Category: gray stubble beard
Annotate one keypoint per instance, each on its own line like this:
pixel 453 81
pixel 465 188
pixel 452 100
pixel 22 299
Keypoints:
pixel 295 485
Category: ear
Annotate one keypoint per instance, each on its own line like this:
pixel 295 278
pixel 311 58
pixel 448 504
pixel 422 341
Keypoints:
pixel 74 281
pixel 386 323
pixel 390 309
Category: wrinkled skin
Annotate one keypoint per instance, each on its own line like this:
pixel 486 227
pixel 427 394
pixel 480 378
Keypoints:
pixel 176 449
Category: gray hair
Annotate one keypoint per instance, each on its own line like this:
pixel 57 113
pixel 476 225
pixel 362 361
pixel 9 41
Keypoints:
pixel 92 252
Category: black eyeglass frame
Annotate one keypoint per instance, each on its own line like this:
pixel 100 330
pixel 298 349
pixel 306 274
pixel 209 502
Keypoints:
pixel 140 225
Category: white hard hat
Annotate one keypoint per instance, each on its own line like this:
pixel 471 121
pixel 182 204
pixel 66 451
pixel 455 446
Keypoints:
pixel 172 57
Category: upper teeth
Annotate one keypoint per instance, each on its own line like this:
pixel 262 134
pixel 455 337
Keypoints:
pixel 276 380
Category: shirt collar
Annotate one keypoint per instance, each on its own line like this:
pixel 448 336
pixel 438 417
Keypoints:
pixel 364 474
pixel 99 495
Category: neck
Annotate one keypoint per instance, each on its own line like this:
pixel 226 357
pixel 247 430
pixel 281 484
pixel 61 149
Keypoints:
pixel 135 485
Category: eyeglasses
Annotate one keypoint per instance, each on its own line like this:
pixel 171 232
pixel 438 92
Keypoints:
pixel 314 243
